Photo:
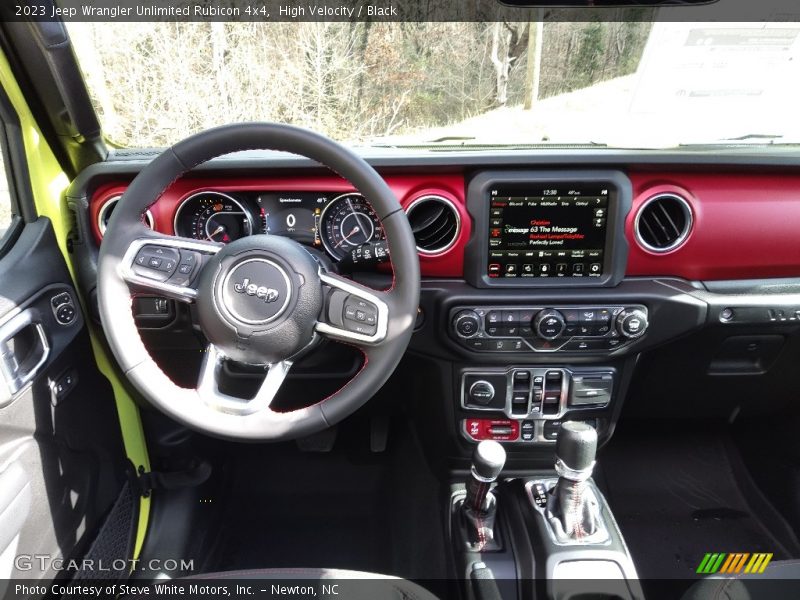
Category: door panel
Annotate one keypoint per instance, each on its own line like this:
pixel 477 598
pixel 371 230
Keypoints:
pixel 62 462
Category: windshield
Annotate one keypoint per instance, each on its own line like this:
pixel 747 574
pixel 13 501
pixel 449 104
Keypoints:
pixel 637 84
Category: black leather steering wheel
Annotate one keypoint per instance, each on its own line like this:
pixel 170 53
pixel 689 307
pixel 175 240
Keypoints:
pixel 261 300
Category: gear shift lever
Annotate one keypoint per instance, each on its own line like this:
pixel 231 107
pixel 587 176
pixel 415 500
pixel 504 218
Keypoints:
pixel 572 508
pixel 576 448
pixel 479 507
pixel 488 460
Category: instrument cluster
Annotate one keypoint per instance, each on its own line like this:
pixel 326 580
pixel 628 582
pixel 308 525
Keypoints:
pixel 338 223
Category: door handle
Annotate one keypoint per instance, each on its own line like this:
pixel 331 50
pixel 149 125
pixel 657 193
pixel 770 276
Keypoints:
pixel 24 350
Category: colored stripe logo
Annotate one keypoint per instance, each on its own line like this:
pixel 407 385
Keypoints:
pixel 734 563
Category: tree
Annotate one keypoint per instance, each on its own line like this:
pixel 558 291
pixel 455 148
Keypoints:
pixel 509 40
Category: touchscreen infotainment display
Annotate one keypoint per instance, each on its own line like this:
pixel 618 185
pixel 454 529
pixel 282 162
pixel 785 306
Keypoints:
pixel 556 230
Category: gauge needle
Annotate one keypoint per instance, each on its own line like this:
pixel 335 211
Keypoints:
pixel 219 229
pixel 356 229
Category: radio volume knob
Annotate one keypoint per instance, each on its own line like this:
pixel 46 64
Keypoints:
pixel 632 322
pixel 466 323
pixel 549 324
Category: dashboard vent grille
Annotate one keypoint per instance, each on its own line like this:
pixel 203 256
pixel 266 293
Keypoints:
pixel 104 215
pixel 663 223
pixel 435 222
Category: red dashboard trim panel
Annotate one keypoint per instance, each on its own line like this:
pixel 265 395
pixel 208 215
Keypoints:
pixel 746 226
pixel 407 188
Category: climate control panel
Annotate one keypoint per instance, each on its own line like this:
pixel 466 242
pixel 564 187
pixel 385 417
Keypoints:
pixel 578 329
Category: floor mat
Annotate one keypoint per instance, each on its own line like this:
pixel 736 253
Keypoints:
pixel 347 509
pixel 306 511
pixel 675 496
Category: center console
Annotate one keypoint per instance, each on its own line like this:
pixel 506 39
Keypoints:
pixel 542 337
pixel 545 327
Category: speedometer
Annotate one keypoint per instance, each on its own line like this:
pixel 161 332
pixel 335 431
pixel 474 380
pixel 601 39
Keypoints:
pixel 347 222
pixel 213 216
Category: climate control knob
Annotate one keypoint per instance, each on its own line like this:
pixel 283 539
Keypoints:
pixel 549 324
pixel 466 323
pixel 632 322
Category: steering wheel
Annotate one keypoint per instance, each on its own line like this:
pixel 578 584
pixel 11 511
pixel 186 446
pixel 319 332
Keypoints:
pixel 260 300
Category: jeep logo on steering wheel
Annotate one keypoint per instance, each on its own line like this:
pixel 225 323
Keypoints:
pixel 266 294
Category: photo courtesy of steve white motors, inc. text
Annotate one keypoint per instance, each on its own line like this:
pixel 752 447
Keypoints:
pixel 175 590
pixel 160 10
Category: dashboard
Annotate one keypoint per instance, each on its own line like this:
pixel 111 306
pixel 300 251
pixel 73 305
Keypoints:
pixel 553 286
pixel 757 210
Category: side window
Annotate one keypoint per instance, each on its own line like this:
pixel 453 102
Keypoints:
pixel 5 200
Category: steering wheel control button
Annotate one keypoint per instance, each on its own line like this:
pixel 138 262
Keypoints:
pixel 156 262
pixel 632 323
pixel 481 392
pixel 467 323
pixel 360 316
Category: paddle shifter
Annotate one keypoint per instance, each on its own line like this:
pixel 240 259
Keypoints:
pixel 572 508
pixel 480 506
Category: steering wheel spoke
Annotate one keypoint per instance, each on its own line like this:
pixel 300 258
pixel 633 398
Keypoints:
pixel 166 266
pixel 353 313
pixel 209 391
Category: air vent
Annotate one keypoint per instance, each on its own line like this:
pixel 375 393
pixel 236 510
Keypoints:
pixel 663 223
pixel 435 222
pixel 104 215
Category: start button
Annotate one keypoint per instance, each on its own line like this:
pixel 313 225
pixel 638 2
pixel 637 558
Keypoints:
pixel 481 392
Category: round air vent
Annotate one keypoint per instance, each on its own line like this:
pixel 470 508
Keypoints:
pixel 435 222
pixel 663 223
pixel 104 214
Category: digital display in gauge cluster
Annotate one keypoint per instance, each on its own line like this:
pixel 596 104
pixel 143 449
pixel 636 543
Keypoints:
pixel 292 214
pixel 334 221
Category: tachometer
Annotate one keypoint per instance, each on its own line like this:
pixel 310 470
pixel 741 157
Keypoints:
pixel 213 216
pixel 346 222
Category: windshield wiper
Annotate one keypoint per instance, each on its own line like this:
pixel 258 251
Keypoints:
pixel 452 138
pixel 767 139
pixel 754 136
pixel 445 144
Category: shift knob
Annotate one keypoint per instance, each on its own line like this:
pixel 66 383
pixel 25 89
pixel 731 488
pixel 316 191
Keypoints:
pixel 488 460
pixel 576 445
